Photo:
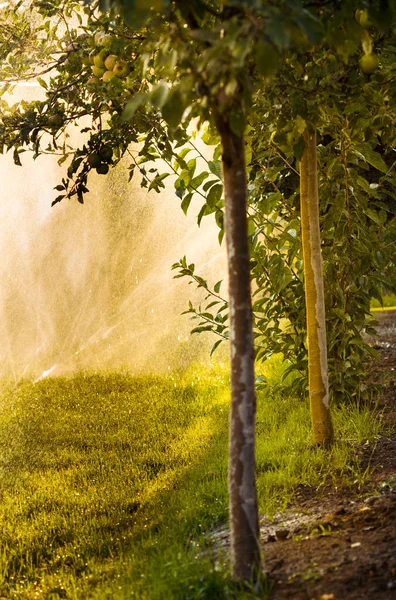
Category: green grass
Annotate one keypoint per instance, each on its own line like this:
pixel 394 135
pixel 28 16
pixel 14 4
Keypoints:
pixel 109 484
pixel 388 301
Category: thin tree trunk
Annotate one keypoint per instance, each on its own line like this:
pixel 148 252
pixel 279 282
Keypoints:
pixel 245 547
pixel 314 296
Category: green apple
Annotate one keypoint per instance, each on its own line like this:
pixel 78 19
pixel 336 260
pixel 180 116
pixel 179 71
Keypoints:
pixel 94 160
pixel 106 152
pixel 121 68
pixel 102 39
pixel 99 36
pixel 102 169
pixel 369 63
pixel 97 71
pixel 100 58
pixel 55 120
pixel 108 76
pixel 110 62
pixel 107 39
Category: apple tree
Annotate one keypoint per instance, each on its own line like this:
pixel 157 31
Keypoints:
pixel 142 73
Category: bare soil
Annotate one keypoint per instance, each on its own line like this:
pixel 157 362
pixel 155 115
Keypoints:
pixel 341 544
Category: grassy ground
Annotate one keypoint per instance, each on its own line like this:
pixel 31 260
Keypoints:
pixel 108 483
pixel 388 302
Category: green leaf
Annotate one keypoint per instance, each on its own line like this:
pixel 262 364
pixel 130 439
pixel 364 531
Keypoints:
pixel 266 59
pixel 131 107
pixel 311 25
pixel 217 286
pixel 341 314
pixel 179 159
pixel 237 120
pixel 42 82
pixel 299 147
pixel 157 181
pixel 300 124
pixel 219 216
pixel 209 184
pixel 191 166
pixel 252 229
pixel 215 345
pixel 373 158
pixel 211 304
pixel 158 95
pixel 173 109
pixel 279 33
pixel 210 136
pixel 205 210
pixel 334 169
pixel 185 177
pixel 373 215
pixel 218 151
pixel 186 203
pixel 202 328
pixel 363 183
pixel 248 154
pixel 214 195
pixel 374 353
pixel 135 12
pixel 215 168
pixel 196 182
pixel 17 160
pixel 58 199
pixel 184 152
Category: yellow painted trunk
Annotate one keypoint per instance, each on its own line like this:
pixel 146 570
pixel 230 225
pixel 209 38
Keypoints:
pixel 314 296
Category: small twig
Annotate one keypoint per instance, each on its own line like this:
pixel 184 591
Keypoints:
pixel 393 165
pixel 285 160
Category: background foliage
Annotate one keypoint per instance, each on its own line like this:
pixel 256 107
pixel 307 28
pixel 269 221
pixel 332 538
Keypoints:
pixel 295 64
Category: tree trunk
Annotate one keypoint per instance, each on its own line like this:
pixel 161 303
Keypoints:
pixel 245 547
pixel 314 296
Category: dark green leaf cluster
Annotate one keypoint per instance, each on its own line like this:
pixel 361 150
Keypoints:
pixel 209 318
pixel 355 116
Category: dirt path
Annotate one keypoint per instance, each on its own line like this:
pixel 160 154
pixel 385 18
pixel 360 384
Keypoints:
pixel 339 545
